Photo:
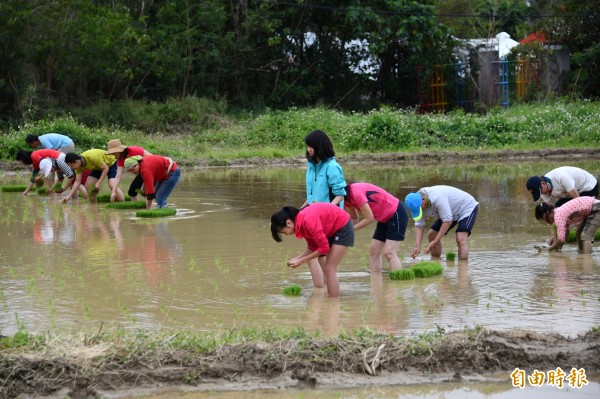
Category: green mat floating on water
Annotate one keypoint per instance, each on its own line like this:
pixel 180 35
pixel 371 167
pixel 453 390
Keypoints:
pixel 13 189
pixel 156 213
pixel 106 198
pixel 127 205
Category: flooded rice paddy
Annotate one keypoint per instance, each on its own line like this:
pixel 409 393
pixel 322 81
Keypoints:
pixel 214 265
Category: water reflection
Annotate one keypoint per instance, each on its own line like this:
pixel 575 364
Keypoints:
pixel 71 265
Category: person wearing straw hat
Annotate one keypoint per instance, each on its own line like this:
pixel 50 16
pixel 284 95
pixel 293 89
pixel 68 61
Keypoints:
pixel 101 166
pixel 159 174
pixel 452 207
pixel 122 152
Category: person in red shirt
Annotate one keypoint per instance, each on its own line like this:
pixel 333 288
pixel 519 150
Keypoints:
pixel 374 203
pixel 328 231
pixel 122 152
pixel 159 174
pixel 582 210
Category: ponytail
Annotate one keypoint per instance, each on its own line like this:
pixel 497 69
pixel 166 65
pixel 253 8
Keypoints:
pixel 279 219
pixel 542 209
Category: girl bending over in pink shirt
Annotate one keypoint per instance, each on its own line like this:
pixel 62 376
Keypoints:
pixel 376 204
pixel 328 231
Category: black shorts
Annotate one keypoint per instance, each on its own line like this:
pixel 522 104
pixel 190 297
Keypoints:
pixel 464 226
pixel 344 236
pixel 395 228
pixel 112 172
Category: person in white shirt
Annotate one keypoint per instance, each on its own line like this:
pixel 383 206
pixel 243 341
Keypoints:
pixel 451 207
pixel 562 184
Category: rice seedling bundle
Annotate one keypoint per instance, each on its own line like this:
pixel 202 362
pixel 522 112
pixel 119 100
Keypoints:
pixel 42 191
pixel 127 205
pixel 402 274
pixel 427 269
pixel 292 290
pixel 13 189
pixel 572 236
pixel 156 213
pixel 451 256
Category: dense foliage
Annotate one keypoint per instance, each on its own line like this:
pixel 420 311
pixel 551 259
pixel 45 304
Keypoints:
pixel 277 134
pixel 347 54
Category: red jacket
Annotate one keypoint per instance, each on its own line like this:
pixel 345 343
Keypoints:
pixel 153 169
pixel 318 222
pixel 38 155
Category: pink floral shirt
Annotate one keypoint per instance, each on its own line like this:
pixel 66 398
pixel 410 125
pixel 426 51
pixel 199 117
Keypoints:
pixel 570 213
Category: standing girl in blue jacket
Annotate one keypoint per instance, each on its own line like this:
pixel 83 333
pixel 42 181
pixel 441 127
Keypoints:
pixel 324 183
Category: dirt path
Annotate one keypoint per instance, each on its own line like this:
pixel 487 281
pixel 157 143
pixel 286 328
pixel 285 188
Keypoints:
pixel 93 370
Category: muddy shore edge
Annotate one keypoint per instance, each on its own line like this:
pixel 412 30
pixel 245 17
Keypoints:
pixel 100 369
pixel 399 158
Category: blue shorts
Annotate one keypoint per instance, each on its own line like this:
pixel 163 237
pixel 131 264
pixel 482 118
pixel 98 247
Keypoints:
pixel 395 228
pixel 112 172
pixel 464 226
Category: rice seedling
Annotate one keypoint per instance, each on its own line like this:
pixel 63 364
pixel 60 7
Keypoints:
pixel 450 256
pixel 427 269
pixel 13 189
pixel 42 191
pixel 106 198
pixel 156 213
pixel 572 237
pixel 127 205
pixel 292 290
pixel 402 274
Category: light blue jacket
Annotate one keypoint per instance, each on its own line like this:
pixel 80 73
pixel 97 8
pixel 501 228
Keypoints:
pixel 324 181
pixel 54 141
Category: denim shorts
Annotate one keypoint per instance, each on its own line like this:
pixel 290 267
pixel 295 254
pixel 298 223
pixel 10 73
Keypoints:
pixel 112 172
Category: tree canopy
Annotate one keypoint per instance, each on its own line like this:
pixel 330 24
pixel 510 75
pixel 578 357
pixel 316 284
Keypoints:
pixel 349 54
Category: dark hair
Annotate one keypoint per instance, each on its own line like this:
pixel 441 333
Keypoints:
pixel 542 209
pixel 24 157
pixel 279 218
pixel 31 138
pixel 72 157
pixel 319 141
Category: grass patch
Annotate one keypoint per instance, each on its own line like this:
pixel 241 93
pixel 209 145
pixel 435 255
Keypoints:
pixel 451 256
pixel 127 205
pixel 156 213
pixel 292 290
pixel 13 189
pixel 402 274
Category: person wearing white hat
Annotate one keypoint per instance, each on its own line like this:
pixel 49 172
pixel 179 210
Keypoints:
pixel 47 162
pixel 451 207
pixel 122 152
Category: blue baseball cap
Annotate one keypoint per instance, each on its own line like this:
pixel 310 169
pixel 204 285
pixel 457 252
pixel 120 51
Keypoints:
pixel 413 203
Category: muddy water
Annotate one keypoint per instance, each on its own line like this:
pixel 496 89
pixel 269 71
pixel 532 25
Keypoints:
pixel 215 265
pixel 496 390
